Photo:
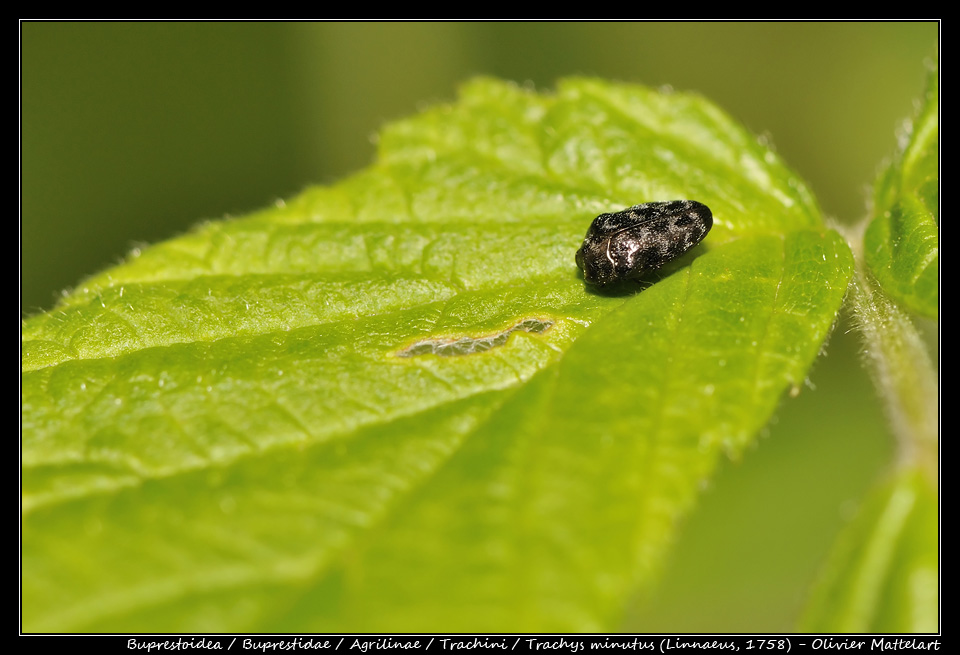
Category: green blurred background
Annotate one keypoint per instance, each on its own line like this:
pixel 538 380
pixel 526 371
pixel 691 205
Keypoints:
pixel 132 132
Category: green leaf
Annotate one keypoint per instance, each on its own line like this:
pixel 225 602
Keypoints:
pixel 393 404
pixel 883 574
pixel 901 244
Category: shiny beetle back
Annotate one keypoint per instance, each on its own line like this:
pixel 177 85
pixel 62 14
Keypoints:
pixel 628 244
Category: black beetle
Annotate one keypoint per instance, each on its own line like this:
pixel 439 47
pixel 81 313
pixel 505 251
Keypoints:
pixel 628 244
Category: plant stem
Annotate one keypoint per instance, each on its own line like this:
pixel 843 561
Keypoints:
pixel 900 364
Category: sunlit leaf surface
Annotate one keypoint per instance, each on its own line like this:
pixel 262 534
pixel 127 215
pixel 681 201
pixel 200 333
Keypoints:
pixel 393 404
